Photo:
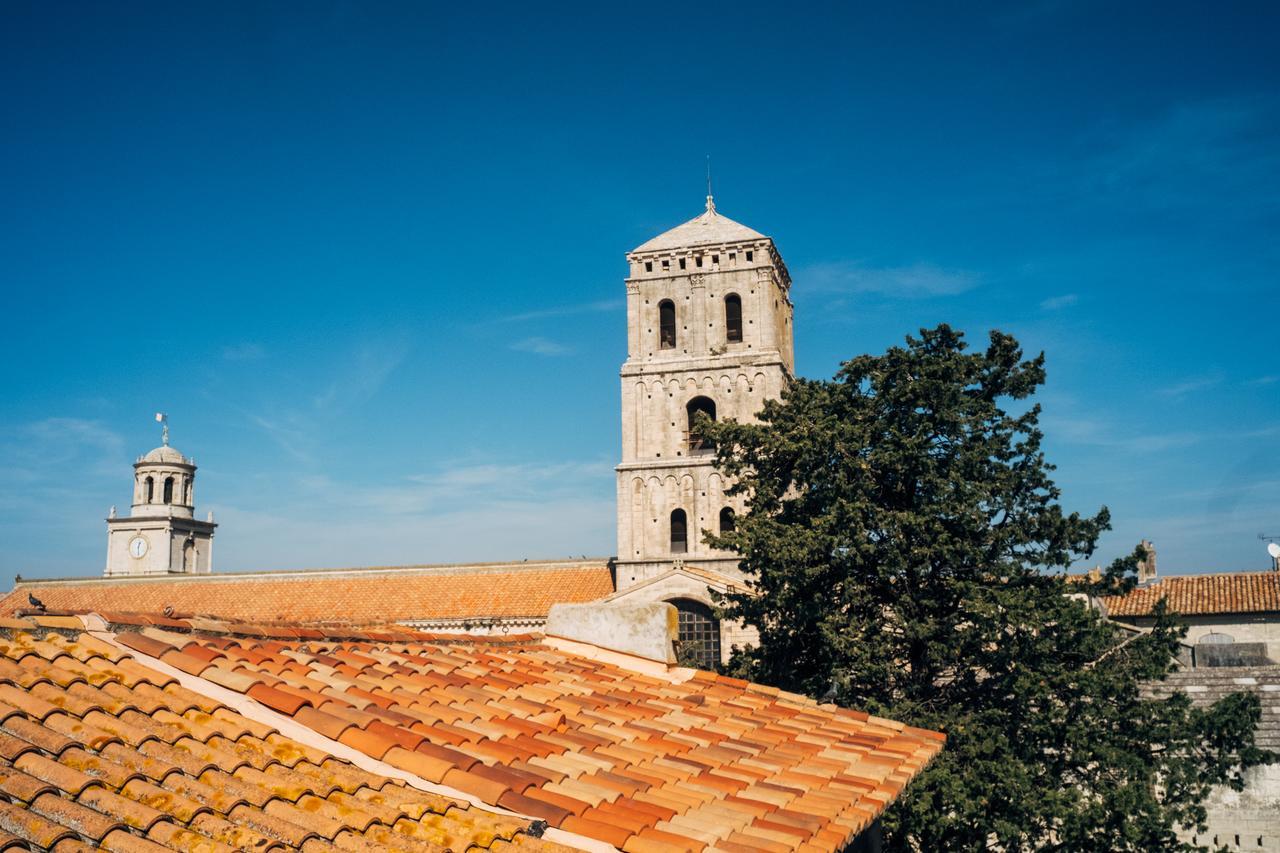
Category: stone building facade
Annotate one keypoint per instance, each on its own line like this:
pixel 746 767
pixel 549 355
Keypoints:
pixel 161 534
pixel 709 330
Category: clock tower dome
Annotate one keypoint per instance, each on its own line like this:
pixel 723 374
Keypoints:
pixel 161 534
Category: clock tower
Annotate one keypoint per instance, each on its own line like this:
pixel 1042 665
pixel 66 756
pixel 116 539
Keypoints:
pixel 161 534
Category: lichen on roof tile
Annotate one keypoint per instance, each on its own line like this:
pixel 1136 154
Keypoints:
pixel 137 764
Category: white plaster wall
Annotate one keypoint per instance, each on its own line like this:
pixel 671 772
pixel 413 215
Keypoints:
pixel 1242 627
pixel 164 551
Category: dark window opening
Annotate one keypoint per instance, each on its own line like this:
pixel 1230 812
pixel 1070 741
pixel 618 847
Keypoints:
pixel 733 318
pixel 749 255
pixel 666 324
pixel 728 520
pixel 648 266
pixel 697 262
pixel 666 265
pixel 682 263
pixel 150 489
pixel 698 443
pixel 168 490
pixel 715 259
pixel 733 256
pixel 699 634
pixel 679 532
pixel 186 489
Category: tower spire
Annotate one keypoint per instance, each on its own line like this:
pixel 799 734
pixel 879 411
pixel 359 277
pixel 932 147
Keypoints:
pixel 163 419
pixel 711 203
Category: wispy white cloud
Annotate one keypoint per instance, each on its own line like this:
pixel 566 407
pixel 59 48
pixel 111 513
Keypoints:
pixel 1217 147
pixel 1180 389
pixel 458 486
pixel 541 346
pixel 52 449
pixel 1055 303
pixel 1100 432
pixel 913 281
pixel 1263 380
pixel 599 307
pixel 247 351
pixel 298 416
pixel 361 375
pixel 291 436
pixel 516 509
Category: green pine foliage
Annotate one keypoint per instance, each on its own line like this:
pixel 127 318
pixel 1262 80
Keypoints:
pixel 906 554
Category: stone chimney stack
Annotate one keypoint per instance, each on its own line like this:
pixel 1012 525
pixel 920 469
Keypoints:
pixel 1147 568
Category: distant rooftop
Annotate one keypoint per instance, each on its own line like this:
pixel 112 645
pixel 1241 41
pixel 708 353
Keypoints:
pixel 362 596
pixel 1202 595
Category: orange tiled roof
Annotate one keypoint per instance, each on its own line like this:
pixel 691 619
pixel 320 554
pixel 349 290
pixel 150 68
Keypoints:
pixel 655 760
pixel 1202 595
pixel 361 597
pixel 100 751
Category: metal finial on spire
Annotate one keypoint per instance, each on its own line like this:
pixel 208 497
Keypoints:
pixel 163 419
pixel 711 204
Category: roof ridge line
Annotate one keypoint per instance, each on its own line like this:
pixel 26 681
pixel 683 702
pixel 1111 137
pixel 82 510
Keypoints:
pixel 589 562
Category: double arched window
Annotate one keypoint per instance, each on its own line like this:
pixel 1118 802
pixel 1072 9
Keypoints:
pixel 699 634
pixel 699 444
pixel 679 532
pixel 733 318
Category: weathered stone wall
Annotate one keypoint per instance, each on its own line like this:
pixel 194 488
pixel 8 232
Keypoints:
pixel 1249 819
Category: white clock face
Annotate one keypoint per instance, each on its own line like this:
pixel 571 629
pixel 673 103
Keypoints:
pixel 138 546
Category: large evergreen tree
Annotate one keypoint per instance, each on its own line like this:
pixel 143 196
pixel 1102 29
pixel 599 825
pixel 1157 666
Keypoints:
pixel 906 555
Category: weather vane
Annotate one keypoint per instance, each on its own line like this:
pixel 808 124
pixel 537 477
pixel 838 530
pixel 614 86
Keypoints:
pixel 163 419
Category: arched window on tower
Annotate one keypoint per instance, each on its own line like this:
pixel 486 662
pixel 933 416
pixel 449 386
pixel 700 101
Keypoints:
pixel 699 634
pixel 666 324
pixel 728 520
pixel 733 318
pixel 679 532
pixel 186 490
pixel 168 490
pixel 149 488
pixel 699 444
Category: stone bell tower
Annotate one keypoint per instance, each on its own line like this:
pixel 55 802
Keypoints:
pixel 708 330
pixel 161 534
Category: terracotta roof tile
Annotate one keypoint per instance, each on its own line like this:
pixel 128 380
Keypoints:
pixel 142 763
pixel 638 761
pixel 601 751
pixel 1202 595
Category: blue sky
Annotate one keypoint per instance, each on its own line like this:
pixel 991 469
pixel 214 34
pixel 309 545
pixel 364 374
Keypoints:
pixel 369 257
